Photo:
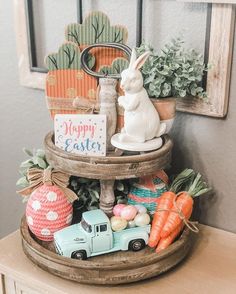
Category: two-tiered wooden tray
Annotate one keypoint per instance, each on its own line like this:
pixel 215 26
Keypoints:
pixel 115 268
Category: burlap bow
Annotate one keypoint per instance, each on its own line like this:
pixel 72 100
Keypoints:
pixel 86 105
pixel 38 177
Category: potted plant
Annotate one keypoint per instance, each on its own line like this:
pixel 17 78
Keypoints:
pixel 174 72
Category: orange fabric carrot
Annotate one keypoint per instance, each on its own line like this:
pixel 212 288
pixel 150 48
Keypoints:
pixel 184 203
pixel 164 206
pixel 165 242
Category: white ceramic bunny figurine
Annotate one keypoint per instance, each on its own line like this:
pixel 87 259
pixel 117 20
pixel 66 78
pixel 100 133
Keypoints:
pixel 141 120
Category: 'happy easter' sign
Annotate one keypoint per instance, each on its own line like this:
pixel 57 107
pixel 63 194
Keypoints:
pixel 81 133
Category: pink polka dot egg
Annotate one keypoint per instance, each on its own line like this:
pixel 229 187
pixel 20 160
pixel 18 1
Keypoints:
pixel 48 211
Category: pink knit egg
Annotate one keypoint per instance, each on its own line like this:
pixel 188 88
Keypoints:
pixel 129 212
pixel 48 211
pixel 118 208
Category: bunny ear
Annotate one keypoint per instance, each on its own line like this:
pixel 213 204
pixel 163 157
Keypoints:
pixel 132 58
pixel 141 60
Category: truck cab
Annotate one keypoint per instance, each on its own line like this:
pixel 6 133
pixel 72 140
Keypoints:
pixel 98 226
pixel 94 236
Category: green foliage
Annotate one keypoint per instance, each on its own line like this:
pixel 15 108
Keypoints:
pixel 121 190
pixel 68 57
pixel 96 28
pixel 117 66
pixel 197 186
pixel 88 192
pixel 37 159
pixel 174 71
pixel 191 182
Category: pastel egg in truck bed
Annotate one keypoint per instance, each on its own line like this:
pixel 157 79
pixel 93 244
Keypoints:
pixel 94 236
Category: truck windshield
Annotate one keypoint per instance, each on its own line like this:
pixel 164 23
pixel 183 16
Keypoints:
pixel 86 226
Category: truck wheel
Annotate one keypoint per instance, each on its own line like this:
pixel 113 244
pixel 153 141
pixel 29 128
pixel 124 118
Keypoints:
pixel 136 245
pixel 80 254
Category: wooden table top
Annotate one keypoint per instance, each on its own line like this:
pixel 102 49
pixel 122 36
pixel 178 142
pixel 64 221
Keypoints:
pixel 210 268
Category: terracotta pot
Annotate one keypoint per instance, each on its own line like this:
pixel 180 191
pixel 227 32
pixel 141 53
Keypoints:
pixel 166 107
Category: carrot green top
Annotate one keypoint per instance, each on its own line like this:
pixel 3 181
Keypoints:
pixel 96 28
pixel 190 182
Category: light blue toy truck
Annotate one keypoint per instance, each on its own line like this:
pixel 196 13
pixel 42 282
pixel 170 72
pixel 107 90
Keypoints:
pixel 94 236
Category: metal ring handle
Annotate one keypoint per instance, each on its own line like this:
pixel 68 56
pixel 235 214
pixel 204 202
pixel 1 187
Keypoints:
pixel 84 57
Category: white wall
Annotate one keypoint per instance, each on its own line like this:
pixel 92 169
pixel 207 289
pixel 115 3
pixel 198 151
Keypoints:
pixel 24 122
pixel 203 143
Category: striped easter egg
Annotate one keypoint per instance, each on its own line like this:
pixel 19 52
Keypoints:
pixel 147 192
pixel 48 211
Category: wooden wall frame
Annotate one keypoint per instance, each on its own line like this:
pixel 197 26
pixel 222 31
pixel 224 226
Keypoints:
pixel 219 56
pixel 28 78
pixel 30 74
pixel 210 1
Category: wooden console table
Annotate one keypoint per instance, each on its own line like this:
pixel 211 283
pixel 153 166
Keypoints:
pixel 210 268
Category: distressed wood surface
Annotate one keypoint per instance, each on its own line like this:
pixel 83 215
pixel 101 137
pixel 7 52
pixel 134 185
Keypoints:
pixel 212 259
pixel 109 167
pixel 107 196
pixel 27 77
pixel 220 55
pixel 220 59
pixel 2 287
pixel 210 1
pixel 111 269
pixel 107 98
pixel 196 106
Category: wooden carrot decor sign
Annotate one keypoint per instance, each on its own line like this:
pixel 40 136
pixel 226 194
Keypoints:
pixel 66 80
pixel 81 134
pixel 97 28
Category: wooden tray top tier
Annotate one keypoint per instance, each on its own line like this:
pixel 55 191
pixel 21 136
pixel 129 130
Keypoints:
pixel 111 269
pixel 108 167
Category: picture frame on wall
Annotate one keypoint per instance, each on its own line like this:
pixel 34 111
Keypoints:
pixel 221 38
pixel 31 73
pixel 219 53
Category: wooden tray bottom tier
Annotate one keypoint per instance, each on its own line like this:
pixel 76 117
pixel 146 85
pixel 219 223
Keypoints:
pixel 110 269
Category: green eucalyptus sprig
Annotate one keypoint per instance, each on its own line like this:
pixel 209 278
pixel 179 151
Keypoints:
pixel 121 190
pixel 37 159
pixel 175 71
pixel 88 191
